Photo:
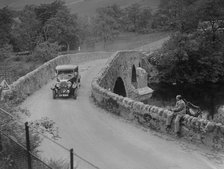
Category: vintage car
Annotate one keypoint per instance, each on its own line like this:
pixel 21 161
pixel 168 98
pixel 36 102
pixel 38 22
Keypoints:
pixel 68 81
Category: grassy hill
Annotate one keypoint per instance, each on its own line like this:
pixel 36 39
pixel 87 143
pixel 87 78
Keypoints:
pixel 81 7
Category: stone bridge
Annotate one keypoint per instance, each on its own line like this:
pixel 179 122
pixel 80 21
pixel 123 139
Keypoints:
pixel 121 88
pixel 126 77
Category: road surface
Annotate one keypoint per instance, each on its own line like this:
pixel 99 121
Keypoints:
pixel 108 141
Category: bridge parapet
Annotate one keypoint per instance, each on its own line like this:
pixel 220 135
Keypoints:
pixel 31 82
pixel 194 129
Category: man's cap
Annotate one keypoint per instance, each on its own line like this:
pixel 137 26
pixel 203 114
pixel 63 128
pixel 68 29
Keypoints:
pixel 178 97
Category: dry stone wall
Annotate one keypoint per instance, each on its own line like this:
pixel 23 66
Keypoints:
pixel 194 129
pixel 34 80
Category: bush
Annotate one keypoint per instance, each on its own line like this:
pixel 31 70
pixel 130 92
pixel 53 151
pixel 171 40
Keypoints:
pixel 190 58
pixel 5 51
pixel 46 51
pixel 59 164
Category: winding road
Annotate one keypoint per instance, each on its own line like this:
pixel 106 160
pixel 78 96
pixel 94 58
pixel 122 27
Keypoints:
pixel 108 141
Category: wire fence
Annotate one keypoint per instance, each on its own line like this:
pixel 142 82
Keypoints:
pixel 25 147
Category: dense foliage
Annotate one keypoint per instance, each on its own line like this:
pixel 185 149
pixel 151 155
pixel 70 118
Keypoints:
pixel 35 25
pixel 194 54
pixel 53 23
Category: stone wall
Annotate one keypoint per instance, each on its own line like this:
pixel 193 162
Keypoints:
pixel 193 129
pixel 34 80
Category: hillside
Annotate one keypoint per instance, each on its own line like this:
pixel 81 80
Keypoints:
pixel 81 7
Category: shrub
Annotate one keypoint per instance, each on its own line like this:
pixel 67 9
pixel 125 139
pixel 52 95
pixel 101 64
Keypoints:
pixel 59 164
pixel 46 51
pixel 190 58
pixel 5 51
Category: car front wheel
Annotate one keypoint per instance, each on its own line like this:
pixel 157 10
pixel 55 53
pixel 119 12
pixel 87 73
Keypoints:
pixel 54 94
pixel 75 94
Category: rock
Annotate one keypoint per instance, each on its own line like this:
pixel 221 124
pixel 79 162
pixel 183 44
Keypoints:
pixel 160 111
pixel 209 127
pixel 194 121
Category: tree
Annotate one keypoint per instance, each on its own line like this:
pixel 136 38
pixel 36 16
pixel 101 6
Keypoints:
pixel 27 30
pixel 145 18
pixel 46 11
pixel 132 17
pixel 86 31
pixel 6 20
pixel 178 15
pixel 107 26
pixel 62 28
pixel 190 58
pixel 211 15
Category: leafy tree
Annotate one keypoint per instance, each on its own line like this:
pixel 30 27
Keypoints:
pixel 145 19
pixel 86 31
pixel 137 18
pixel 178 15
pixel 62 28
pixel 107 26
pixel 190 58
pixel 194 54
pixel 113 11
pixel 6 20
pixel 47 11
pixel 132 17
pixel 211 15
pixel 26 31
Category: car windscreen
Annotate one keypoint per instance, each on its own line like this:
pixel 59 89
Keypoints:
pixel 65 72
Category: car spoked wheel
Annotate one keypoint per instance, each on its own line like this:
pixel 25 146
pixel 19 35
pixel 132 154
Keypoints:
pixel 54 94
pixel 75 94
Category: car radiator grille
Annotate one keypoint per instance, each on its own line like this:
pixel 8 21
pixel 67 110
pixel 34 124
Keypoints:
pixel 63 85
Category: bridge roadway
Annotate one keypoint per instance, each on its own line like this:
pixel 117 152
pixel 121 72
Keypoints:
pixel 107 140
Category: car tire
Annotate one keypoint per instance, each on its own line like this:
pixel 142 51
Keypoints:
pixel 75 94
pixel 54 94
pixel 79 81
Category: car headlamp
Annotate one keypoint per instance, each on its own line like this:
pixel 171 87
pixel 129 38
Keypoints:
pixel 69 84
pixel 57 85
pixel 74 85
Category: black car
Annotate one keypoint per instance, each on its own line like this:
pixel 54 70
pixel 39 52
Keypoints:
pixel 68 81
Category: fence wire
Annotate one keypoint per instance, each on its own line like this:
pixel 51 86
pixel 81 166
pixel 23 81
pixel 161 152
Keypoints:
pixel 14 153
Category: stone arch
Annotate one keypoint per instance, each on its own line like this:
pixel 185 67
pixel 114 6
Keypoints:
pixel 134 76
pixel 119 87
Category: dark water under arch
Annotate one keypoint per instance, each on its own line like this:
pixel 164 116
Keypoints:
pixel 119 87
pixel 208 96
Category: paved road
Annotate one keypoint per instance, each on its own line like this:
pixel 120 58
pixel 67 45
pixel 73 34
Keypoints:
pixel 108 141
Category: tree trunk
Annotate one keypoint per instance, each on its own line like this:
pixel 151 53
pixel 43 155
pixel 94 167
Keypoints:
pixel 68 47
